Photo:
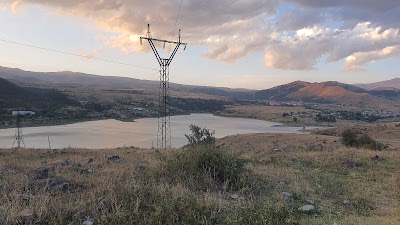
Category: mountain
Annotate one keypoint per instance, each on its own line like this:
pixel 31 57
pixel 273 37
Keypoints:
pixel 26 78
pixel 14 96
pixel 382 85
pixel 325 92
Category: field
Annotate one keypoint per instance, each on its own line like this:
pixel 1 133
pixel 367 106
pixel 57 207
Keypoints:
pixel 243 180
pixel 273 113
pixel 298 115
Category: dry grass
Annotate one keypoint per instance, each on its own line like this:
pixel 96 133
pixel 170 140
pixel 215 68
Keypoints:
pixel 320 169
pixel 388 133
pixel 311 167
pixel 272 113
pixel 275 114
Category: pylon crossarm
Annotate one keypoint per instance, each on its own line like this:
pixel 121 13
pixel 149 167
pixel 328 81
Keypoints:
pixel 163 41
pixel 173 54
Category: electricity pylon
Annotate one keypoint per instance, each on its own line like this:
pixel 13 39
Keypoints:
pixel 18 138
pixel 164 117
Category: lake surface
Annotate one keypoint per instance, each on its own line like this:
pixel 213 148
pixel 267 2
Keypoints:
pixel 142 133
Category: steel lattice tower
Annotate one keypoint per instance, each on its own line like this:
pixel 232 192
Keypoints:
pixel 164 126
pixel 19 139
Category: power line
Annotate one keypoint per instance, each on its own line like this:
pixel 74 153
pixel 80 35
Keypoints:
pixel 74 54
pixel 176 22
pixel 177 17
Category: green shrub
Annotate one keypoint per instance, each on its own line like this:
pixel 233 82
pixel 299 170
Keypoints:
pixel 154 205
pixel 350 139
pixel 204 167
pixel 367 142
pixel 150 205
pixel 200 135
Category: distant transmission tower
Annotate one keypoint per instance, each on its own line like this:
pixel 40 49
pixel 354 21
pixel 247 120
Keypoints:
pixel 19 139
pixel 164 125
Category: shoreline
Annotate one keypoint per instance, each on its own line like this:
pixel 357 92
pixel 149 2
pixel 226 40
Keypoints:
pixel 280 123
pixel 52 123
pixel 60 122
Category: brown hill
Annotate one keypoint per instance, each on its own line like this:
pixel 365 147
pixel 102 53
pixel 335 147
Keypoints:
pixel 325 92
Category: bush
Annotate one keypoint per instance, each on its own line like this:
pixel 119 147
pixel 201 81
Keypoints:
pixel 367 142
pixel 204 167
pixel 200 135
pixel 351 139
pixel 154 205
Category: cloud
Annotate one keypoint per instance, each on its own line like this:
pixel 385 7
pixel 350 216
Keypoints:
pixel 87 55
pixel 303 50
pixel 357 61
pixel 296 19
pixel 293 38
pixel 15 6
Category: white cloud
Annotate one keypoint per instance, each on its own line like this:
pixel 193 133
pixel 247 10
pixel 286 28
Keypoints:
pixel 301 52
pixel 359 60
pixel 294 39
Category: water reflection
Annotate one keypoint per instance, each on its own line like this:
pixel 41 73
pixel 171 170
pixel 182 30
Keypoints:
pixel 142 133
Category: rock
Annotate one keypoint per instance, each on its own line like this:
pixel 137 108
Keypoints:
pixel 237 197
pixel 88 222
pixel 234 196
pixel 63 211
pixel 286 196
pixel 114 158
pixel 40 173
pixel 282 183
pixel 346 202
pixel 106 204
pixel 27 215
pixel 7 171
pixel 56 184
pixel 309 209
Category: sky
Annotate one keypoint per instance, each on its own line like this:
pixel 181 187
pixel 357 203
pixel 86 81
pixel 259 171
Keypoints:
pixel 254 44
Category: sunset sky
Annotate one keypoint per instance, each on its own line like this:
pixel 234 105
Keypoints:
pixel 253 44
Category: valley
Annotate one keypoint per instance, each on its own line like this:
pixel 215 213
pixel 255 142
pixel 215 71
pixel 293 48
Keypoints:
pixel 305 177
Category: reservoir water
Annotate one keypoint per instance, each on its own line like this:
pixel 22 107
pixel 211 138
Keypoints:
pixel 141 133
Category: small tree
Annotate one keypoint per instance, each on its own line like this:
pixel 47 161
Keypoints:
pixel 200 135
pixel 349 138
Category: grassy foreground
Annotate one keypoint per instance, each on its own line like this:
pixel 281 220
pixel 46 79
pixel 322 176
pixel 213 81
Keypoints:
pixel 240 182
